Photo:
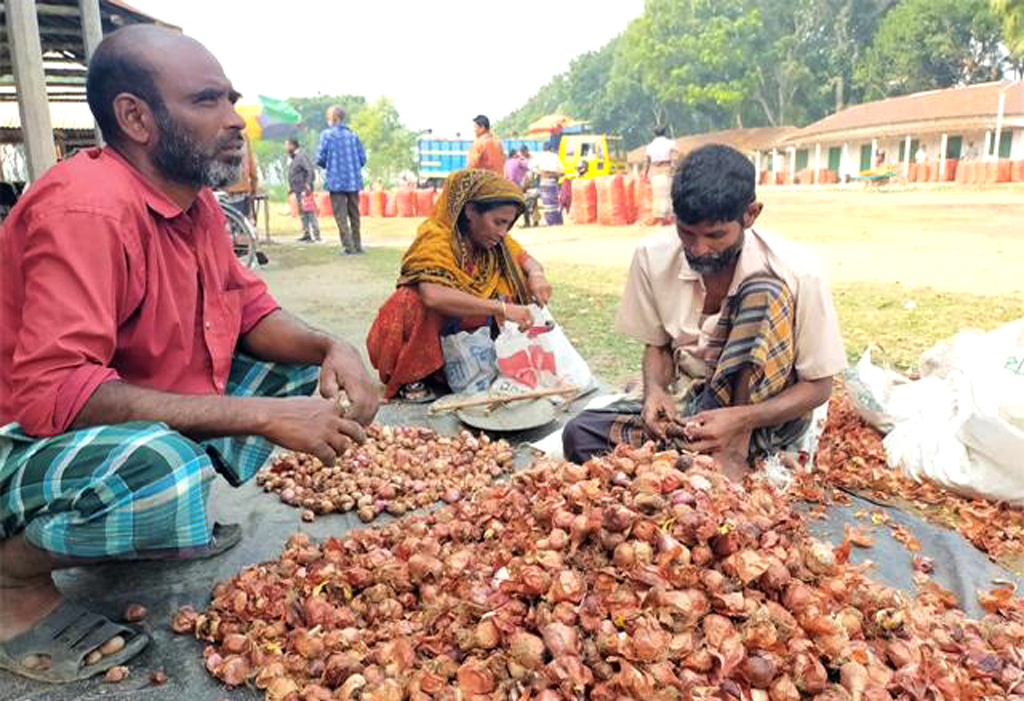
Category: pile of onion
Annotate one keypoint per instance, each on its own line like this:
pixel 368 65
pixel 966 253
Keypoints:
pixel 636 576
pixel 398 469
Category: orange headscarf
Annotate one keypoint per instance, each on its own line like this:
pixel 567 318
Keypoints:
pixel 441 254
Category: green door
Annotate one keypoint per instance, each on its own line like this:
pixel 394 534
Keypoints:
pixel 835 158
pixel 1005 140
pixel 914 143
pixel 801 159
pixel 954 144
pixel 865 157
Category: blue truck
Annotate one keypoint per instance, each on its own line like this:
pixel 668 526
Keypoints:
pixel 603 153
pixel 437 158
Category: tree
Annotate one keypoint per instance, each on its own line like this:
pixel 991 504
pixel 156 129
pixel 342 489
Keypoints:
pixel 1011 14
pixel 929 44
pixel 389 145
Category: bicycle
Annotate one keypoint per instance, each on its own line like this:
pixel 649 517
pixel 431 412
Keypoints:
pixel 243 234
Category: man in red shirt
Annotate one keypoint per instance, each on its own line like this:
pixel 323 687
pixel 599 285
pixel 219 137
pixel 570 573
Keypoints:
pixel 137 356
pixel 486 153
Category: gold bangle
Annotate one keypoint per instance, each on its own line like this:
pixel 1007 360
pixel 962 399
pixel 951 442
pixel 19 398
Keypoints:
pixel 504 312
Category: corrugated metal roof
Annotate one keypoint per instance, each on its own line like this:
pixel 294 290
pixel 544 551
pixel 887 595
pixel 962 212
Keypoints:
pixel 745 140
pixel 971 105
pixel 67 116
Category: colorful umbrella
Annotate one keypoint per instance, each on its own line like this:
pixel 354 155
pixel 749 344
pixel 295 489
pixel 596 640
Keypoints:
pixel 550 122
pixel 269 118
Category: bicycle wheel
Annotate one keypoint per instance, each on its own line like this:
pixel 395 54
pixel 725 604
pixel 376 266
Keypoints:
pixel 243 236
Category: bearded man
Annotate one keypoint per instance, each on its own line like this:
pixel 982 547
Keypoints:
pixel 138 358
pixel 740 335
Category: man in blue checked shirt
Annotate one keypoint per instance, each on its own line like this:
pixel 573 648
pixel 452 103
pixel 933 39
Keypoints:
pixel 341 154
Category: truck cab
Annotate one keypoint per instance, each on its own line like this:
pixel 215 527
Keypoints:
pixel 602 152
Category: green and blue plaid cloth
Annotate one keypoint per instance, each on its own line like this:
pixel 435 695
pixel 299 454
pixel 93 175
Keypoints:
pixel 135 488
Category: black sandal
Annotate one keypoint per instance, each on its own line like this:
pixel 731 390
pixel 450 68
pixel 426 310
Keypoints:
pixel 67 636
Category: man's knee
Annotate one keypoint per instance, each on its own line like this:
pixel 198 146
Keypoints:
pixel 148 491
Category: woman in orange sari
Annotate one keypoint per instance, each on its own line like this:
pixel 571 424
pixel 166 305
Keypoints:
pixel 462 270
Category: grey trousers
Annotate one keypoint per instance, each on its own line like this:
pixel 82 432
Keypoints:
pixel 345 206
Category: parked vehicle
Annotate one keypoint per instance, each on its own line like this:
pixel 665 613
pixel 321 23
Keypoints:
pixel 438 158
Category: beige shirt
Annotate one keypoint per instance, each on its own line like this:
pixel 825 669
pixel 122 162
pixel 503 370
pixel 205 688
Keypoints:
pixel 664 299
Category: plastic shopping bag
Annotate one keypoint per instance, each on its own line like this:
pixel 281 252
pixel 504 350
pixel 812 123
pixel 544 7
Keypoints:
pixel 540 357
pixel 469 360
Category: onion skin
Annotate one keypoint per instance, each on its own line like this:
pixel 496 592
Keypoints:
pixel 623 578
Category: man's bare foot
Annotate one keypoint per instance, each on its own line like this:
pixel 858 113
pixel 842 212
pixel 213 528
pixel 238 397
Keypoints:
pixel 733 466
pixel 26 599
pixel 24 603
pixel 732 460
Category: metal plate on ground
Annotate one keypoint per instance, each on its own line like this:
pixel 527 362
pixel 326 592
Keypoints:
pixel 515 416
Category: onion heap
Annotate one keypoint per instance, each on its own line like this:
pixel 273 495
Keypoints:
pixel 640 575
pixel 397 469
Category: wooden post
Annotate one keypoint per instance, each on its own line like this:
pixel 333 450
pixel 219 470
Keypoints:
pixel 988 146
pixel 30 82
pixel 817 162
pixel 942 157
pixel 92 35
pixel 792 164
pixel 844 165
pixel 906 157
pixel 999 122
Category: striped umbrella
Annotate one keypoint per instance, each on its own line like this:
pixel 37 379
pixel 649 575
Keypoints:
pixel 269 118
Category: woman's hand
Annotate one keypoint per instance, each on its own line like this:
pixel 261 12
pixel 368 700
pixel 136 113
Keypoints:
pixel 539 287
pixel 519 315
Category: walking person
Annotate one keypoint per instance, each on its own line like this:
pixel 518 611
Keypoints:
pixel 301 174
pixel 341 154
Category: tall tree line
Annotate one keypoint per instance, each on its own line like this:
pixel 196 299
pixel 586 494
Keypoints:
pixel 700 65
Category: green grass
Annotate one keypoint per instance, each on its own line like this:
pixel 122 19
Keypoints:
pixel 875 313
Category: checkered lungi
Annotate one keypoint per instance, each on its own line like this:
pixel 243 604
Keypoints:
pixel 135 488
pixel 755 330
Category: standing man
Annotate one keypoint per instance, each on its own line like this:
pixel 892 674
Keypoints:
pixel 341 154
pixel 241 192
pixel 301 174
pixel 138 358
pixel 660 154
pixel 486 152
pixel 741 339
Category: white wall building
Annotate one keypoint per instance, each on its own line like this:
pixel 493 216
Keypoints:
pixel 977 122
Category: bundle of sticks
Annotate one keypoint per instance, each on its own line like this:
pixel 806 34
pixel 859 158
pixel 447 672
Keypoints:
pixel 496 400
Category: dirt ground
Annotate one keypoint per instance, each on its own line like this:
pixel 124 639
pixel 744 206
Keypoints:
pixel 950 239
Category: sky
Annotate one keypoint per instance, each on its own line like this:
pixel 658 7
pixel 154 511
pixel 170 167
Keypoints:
pixel 442 62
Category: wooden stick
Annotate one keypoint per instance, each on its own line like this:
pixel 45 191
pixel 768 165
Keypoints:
pixel 499 399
